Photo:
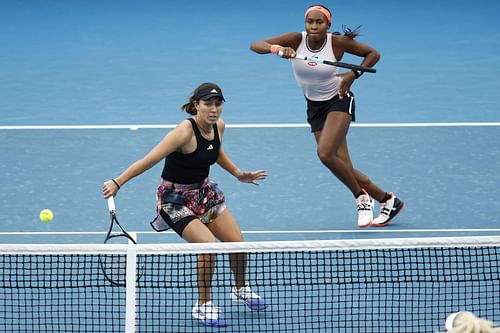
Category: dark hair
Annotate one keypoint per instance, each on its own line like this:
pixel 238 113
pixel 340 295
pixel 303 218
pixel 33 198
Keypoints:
pixel 347 31
pixel 190 105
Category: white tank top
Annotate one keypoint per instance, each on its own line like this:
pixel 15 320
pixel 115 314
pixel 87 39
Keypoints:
pixel 318 81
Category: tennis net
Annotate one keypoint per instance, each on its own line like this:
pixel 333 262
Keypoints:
pixel 380 285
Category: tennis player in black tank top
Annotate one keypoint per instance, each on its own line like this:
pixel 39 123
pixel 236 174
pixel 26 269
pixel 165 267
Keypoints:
pixel 193 167
pixel 191 204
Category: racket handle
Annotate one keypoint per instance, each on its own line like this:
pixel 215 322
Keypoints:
pixel 111 204
pixel 300 56
pixel 280 53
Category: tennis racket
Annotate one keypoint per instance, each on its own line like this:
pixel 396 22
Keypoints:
pixel 114 266
pixel 336 63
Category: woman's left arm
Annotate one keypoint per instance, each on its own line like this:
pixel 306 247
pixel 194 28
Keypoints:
pixel 225 162
pixel 344 44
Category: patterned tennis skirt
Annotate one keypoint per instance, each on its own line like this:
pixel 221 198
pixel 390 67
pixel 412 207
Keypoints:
pixel 176 202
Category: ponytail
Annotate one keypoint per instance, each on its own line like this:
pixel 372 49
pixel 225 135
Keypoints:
pixel 190 107
pixel 348 32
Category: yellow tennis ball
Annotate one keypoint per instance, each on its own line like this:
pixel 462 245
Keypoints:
pixel 46 215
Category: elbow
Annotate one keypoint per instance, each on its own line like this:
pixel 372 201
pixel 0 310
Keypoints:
pixel 258 47
pixel 253 48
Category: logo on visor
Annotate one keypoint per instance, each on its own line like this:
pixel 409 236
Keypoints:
pixel 214 91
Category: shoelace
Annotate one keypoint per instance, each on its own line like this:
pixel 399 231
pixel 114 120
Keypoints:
pixel 208 308
pixel 246 293
pixel 366 205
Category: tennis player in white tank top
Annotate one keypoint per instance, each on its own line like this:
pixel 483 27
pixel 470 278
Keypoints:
pixel 322 83
pixel 330 104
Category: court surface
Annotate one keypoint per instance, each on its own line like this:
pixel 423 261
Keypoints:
pixel 88 87
pixel 123 63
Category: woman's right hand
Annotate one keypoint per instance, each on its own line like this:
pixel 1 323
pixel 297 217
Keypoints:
pixel 286 52
pixel 109 189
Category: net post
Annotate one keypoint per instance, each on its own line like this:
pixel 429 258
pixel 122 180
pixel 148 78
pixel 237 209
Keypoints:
pixel 131 289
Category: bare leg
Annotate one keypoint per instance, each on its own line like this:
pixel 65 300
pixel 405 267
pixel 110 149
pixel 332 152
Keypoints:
pixel 225 228
pixel 197 232
pixel 334 154
pixel 205 271
pixel 329 140
pixel 363 180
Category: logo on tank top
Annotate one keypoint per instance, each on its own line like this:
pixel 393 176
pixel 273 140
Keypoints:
pixel 312 63
pixel 210 147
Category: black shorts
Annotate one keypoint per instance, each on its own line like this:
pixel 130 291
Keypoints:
pixel 318 110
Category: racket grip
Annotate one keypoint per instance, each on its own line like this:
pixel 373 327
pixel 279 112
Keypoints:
pixel 111 204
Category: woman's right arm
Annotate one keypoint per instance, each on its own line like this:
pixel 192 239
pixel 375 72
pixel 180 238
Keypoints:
pixel 174 140
pixel 287 40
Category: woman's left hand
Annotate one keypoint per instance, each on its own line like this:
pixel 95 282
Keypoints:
pixel 251 176
pixel 347 80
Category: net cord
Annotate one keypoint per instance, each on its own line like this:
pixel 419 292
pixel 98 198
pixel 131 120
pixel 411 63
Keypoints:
pixel 266 246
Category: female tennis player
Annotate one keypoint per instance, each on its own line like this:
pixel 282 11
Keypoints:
pixel 191 204
pixel 330 103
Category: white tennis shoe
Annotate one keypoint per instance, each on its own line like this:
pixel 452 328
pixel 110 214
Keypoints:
pixel 388 210
pixel 208 314
pixel 246 296
pixel 365 205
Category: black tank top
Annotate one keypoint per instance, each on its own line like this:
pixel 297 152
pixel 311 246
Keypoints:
pixel 193 167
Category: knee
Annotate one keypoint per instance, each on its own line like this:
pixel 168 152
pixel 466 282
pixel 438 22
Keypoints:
pixel 237 237
pixel 207 256
pixel 326 157
pixel 207 260
pixel 205 267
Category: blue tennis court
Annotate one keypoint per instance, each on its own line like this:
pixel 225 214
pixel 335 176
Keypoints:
pixel 443 173
pixel 88 87
pixel 118 63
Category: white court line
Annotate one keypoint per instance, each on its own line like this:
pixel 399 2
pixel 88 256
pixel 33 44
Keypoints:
pixel 6 233
pixel 135 127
